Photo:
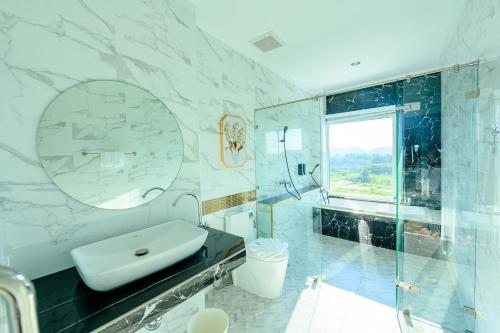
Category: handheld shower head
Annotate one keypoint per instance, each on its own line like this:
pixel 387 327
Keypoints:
pixel 284 134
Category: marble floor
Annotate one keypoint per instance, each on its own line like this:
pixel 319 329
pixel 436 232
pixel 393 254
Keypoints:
pixel 338 286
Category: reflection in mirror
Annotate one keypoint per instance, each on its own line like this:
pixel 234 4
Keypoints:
pixel 106 143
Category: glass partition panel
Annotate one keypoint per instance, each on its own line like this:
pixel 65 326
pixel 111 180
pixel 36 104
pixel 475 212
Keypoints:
pixel 300 122
pixel 437 193
pixel 487 215
pixel 288 154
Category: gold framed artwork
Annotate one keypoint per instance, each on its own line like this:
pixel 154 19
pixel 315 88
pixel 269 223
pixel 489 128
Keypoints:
pixel 233 141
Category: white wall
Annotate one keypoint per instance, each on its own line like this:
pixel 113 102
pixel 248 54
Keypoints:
pixel 471 201
pixel 476 33
pixel 230 83
pixel 487 217
pixel 47 47
pixel 303 142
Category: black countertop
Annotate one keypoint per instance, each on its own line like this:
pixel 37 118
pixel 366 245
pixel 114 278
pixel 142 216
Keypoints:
pixel 66 304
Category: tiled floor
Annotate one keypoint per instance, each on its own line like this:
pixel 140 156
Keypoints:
pixel 354 293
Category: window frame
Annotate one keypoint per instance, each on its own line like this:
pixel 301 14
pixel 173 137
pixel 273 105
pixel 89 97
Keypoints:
pixel 353 116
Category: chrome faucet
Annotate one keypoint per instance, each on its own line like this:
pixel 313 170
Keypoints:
pixel 152 189
pixel 200 222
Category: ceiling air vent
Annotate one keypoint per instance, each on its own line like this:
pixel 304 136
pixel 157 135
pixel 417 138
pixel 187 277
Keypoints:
pixel 267 42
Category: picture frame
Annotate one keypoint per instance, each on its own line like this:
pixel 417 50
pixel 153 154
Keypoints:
pixel 233 141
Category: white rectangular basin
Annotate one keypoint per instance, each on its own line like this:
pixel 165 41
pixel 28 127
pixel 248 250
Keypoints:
pixel 113 262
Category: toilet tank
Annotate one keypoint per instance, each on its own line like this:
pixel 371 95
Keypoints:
pixel 242 224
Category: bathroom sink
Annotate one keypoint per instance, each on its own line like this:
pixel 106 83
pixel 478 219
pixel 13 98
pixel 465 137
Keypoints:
pixel 113 262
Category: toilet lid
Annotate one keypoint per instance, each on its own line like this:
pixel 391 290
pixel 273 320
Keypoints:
pixel 267 249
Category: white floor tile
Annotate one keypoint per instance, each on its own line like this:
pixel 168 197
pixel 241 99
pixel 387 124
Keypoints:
pixel 355 293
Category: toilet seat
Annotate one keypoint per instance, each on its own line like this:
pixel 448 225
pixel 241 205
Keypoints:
pixel 263 273
pixel 267 249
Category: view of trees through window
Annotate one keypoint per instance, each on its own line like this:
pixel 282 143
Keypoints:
pixel 361 158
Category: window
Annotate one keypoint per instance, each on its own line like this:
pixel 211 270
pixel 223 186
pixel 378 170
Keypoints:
pixel 361 148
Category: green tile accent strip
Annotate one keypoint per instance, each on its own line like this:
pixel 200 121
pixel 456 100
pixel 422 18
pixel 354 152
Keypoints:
pixel 233 200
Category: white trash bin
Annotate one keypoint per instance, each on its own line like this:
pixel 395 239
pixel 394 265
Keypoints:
pixel 211 320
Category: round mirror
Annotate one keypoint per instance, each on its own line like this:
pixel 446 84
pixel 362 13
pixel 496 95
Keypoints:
pixel 110 144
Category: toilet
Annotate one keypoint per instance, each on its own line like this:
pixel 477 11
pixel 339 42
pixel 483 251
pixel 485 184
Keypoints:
pixel 264 271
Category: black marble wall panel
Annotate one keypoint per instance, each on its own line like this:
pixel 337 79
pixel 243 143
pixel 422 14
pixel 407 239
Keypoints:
pixel 366 98
pixel 422 141
pixel 420 134
pixel 419 238
pixel 361 228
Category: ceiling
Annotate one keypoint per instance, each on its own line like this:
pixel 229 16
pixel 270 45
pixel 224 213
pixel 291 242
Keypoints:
pixel 323 37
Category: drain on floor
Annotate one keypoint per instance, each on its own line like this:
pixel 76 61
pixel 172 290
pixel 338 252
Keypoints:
pixel 314 282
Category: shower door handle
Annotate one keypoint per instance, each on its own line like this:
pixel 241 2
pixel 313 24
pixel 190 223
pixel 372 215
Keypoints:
pixel 408 287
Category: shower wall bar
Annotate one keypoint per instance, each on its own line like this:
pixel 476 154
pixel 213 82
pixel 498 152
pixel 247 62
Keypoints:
pixel 365 85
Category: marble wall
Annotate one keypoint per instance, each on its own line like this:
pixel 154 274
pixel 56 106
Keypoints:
pixel 45 49
pixel 475 34
pixel 470 211
pixel 471 225
pixel 292 222
pixel 487 219
pixel 364 98
pixel 230 83
pixel 303 144
pixel 365 229
pixel 420 128
pixel 48 47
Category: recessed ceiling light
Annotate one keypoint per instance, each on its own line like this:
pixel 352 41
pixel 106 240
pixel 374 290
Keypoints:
pixel 356 63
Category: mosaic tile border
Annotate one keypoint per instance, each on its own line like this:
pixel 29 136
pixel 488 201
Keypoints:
pixel 229 201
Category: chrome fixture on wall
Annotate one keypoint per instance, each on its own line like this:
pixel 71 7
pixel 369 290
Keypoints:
pixel 494 131
pixel 200 222
pixel 296 195
pixel 323 192
pixel 153 189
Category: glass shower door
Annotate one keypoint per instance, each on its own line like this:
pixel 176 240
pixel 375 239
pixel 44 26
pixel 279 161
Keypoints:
pixel 280 214
pixel 437 194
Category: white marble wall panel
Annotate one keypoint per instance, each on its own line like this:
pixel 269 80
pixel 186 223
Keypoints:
pixel 226 85
pixel 46 48
pixel 470 185
pixel 459 171
pixel 475 35
pixel 303 145
pixel 293 223
pixel 271 89
pixel 487 218
pixel 231 84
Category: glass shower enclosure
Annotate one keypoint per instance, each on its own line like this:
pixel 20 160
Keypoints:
pixel 278 174
pixel 437 198
pixel 447 258
pixel 281 178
